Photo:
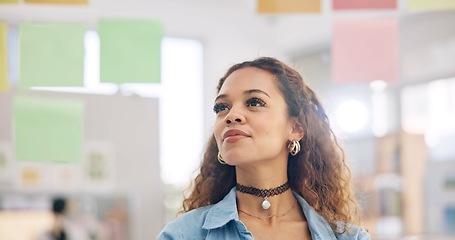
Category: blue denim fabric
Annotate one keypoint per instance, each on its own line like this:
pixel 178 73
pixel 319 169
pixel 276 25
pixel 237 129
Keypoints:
pixel 221 221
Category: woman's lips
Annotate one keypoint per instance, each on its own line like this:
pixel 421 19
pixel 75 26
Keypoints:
pixel 234 135
pixel 232 139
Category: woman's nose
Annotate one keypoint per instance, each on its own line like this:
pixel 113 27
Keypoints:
pixel 234 116
pixel 229 121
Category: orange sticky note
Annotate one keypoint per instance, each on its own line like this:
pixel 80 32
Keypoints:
pixel 365 50
pixel 288 6
pixel 58 1
pixel 3 57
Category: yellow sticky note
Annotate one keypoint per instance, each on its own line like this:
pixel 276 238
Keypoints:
pixel 288 6
pixel 3 57
pixel 430 5
pixel 58 1
pixel 9 1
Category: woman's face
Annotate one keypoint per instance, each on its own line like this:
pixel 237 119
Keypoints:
pixel 252 122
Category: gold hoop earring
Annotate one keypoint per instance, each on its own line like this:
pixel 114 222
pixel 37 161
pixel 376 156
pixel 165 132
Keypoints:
pixel 220 159
pixel 294 147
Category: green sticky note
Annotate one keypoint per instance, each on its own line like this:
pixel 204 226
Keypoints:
pixel 130 51
pixel 3 57
pixel 48 130
pixel 51 54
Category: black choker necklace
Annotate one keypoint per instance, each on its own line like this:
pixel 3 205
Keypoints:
pixel 265 193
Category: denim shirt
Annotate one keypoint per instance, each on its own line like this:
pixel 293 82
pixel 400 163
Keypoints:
pixel 221 221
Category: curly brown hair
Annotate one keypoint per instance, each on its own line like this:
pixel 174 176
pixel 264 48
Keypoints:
pixel 318 172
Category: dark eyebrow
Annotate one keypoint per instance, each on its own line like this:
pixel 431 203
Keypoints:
pixel 246 92
pixel 221 96
pixel 256 91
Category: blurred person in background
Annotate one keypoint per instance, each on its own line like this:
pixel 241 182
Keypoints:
pixel 64 228
pixel 58 230
pixel 273 168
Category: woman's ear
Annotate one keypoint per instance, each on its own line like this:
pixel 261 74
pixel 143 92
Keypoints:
pixel 297 130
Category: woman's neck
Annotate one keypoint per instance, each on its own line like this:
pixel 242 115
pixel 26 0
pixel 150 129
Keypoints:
pixel 262 175
pixel 260 190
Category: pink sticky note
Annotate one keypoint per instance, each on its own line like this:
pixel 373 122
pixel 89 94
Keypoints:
pixel 364 4
pixel 365 50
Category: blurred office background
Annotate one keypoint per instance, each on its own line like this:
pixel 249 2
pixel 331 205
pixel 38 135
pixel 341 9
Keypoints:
pixel 108 103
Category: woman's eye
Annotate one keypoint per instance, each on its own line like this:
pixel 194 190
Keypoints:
pixel 218 107
pixel 255 102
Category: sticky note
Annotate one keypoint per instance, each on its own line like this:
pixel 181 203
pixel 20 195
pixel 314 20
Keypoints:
pixel 9 1
pixel 130 51
pixel 288 6
pixel 430 5
pixel 364 4
pixel 3 57
pixel 58 1
pixel 365 50
pixel 51 54
pixel 48 130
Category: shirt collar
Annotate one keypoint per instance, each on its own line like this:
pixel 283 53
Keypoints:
pixel 317 224
pixel 226 210
pixel 222 212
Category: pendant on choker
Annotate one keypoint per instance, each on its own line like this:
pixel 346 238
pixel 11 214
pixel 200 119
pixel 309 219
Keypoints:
pixel 263 193
pixel 265 204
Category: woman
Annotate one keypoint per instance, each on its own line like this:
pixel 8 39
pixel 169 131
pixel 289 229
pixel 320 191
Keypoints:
pixel 273 168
